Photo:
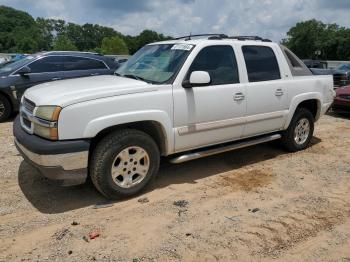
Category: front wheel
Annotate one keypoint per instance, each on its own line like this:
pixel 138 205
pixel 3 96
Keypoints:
pixel 123 163
pixel 300 131
pixel 5 108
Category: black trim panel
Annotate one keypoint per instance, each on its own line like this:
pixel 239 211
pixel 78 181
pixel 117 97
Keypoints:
pixel 45 147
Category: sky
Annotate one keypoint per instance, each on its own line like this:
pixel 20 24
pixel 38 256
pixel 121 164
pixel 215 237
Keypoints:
pixel 266 18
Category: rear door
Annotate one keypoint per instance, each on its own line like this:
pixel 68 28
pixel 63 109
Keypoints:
pixel 267 100
pixel 76 66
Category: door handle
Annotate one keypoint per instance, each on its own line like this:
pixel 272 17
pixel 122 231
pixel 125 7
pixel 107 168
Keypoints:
pixel 239 96
pixel 279 92
pixel 56 78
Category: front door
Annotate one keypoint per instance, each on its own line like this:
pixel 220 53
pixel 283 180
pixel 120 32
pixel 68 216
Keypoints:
pixel 212 114
pixel 42 70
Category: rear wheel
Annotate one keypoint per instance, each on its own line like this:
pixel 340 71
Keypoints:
pixel 123 163
pixel 5 108
pixel 300 131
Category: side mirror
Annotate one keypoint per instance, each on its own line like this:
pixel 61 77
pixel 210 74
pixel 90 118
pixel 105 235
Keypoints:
pixel 197 78
pixel 24 71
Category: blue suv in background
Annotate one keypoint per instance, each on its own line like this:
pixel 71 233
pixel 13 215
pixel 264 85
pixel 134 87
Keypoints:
pixel 32 70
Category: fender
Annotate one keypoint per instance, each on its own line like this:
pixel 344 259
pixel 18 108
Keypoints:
pixel 96 125
pixel 300 98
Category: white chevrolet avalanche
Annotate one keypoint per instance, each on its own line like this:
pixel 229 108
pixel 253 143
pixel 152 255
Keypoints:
pixel 185 98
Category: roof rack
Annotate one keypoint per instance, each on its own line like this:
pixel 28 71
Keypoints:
pixel 211 36
pixel 254 38
pixel 80 52
pixel 223 36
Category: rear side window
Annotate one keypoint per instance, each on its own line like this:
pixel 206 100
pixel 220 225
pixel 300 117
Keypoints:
pixel 292 60
pixel 81 63
pixel 220 62
pixel 47 64
pixel 261 63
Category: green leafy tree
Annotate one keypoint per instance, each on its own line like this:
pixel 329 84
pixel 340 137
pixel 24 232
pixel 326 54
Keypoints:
pixel 18 31
pixel 63 43
pixel 134 43
pixel 46 28
pixel 114 46
pixel 305 38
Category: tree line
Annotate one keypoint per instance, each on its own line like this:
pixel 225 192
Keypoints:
pixel 317 40
pixel 20 32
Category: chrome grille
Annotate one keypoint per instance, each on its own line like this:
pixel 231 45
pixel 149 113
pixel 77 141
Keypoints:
pixel 28 105
pixel 26 114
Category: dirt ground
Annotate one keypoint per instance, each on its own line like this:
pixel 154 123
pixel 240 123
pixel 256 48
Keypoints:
pixel 254 204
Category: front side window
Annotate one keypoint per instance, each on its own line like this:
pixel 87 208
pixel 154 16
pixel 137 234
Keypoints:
pixel 72 63
pixel 220 62
pixel 156 64
pixel 47 64
pixel 261 63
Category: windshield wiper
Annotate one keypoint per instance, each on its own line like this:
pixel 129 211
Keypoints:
pixel 136 78
pixel 133 77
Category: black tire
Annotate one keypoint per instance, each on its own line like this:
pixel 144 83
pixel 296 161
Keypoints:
pixel 5 108
pixel 104 155
pixel 288 139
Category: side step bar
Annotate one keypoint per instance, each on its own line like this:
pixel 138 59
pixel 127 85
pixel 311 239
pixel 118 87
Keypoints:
pixel 213 151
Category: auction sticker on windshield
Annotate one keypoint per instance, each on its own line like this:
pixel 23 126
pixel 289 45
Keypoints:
pixel 185 47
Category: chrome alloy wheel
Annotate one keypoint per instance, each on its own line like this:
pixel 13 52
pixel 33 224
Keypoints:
pixel 2 109
pixel 130 167
pixel 302 131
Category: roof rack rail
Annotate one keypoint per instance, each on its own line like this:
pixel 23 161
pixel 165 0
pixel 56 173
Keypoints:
pixel 211 36
pixel 80 52
pixel 254 38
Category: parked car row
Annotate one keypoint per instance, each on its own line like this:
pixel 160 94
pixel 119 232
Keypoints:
pixel 4 60
pixel 341 74
pixel 17 76
pixel 342 100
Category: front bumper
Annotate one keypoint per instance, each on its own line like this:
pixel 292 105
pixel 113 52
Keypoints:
pixel 64 161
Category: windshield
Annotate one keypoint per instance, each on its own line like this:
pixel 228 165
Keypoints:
pixel 344 67
pixel 12 66
pixel 156 63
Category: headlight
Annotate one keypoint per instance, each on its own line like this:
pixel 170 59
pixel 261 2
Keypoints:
pixel 45 124
pixel 49 113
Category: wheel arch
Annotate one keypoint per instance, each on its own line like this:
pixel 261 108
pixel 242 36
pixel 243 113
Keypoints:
pixel 311 102
pixel 153 128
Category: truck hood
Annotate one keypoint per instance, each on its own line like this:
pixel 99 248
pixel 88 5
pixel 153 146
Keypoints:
pixel 67 92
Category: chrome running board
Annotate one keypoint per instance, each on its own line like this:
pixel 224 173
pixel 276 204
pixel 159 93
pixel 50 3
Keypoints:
pixel 217 150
